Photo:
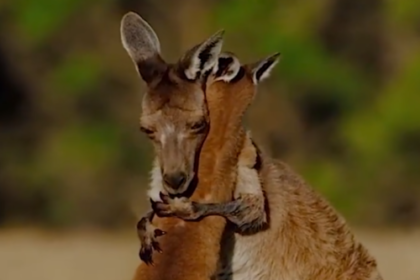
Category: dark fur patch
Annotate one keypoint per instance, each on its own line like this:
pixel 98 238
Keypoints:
pixel 184 63
pixel 203 57
pixel 263 68
pixel 206 54
pixel 152 68
pixel 258 161
pixel 223 64
pixel 239 76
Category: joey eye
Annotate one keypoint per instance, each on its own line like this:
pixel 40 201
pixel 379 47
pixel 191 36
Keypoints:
pixel 199 126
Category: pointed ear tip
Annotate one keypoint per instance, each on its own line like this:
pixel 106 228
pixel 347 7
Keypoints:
pixel 132 17
pixel 226 54
pixel 219 34
pixel 129 15
pixel 276 55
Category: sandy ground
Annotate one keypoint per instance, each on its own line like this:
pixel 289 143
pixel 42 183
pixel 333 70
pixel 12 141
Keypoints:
pixel 35 255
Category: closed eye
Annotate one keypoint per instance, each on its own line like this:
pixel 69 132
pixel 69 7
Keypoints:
pixel 147 131
pixel 199 126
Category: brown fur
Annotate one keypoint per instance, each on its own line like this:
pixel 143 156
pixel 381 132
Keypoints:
pixel 305 238
pixel 246 211
pixel 175 97
pixel 218 155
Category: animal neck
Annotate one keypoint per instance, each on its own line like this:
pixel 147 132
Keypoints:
pixel 219 154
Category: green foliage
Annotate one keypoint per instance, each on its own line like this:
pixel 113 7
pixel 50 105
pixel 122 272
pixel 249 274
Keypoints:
pixel 80 72
pixel 370 130
pixel 83 145
pixel 405 12
pixel 304 60
pixel 40 18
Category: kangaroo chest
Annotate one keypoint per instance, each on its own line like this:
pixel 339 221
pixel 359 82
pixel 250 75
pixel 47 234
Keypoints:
pixel 254 257
pixel 239 260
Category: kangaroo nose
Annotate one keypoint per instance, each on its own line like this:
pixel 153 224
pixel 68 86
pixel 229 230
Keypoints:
pixel 175 180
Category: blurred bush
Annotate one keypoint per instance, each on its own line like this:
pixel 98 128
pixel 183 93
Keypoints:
pixel 341 107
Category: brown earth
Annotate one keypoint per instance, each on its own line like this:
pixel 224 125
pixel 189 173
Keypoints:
pixel 36 255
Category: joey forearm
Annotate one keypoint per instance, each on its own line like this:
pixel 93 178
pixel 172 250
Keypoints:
pixel 147 218
pixel 247 212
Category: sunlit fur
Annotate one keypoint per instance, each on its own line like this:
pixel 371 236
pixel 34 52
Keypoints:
pixel 306 238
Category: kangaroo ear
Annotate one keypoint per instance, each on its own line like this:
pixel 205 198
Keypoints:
pixel 227 67
pixel 142 45
pixel 202 57
pixel 261 70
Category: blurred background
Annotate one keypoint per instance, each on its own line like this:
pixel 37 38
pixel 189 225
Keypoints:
pixel 342 108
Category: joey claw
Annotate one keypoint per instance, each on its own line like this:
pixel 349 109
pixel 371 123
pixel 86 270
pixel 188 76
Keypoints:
pixel 153 203
pixel 157 247
pixel 165 198
pixel 145 255
pixel 148 234
pixel 162 210
pixel 146 252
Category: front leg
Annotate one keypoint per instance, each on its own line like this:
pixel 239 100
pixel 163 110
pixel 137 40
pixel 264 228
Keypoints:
pixel 147 234
pixel 247 212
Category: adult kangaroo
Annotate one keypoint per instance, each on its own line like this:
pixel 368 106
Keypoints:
pixel 183 113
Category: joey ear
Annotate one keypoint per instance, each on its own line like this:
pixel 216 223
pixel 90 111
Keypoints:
pixel 262 69
pixel 142 45
pixel 202 57
pixel 227 67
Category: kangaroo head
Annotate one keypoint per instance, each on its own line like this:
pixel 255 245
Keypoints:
pixel 174 112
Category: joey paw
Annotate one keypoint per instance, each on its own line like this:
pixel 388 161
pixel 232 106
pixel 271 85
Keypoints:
pixel 148 235
pixel 180 207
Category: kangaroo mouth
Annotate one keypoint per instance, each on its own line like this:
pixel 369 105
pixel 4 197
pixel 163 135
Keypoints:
pixel 189 190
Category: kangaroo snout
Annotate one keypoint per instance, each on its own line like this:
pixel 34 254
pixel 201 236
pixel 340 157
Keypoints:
pixel 175 180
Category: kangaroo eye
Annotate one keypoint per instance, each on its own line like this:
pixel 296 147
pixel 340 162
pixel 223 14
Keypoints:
pixel 199 126
pixel 146 130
